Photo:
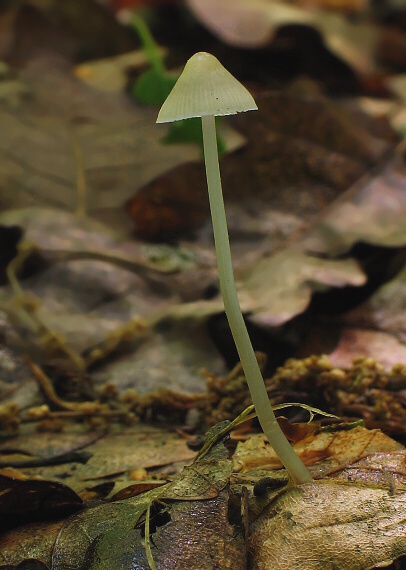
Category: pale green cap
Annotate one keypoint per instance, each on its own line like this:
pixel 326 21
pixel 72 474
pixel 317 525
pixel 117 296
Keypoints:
pixel 204 88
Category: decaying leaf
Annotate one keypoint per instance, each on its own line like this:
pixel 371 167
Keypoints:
pixel 353 341
pixel 83 307
pixel 23 501
pixel 274 290
pixel 280 287
pixel 373 212
pixel 330 524
pixel 364 494
pixel 112 455
pixel 109 536
pixel 67 144
pixel 170 205
pixel 302 152
pixel 101 137
pixel 351 517
pixel 328 451
pixel 110 74
pixel 376 326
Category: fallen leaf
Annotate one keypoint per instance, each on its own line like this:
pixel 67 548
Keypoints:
pixel 95 304
pixel 110 74
pixel 114 455
pixel 254 23
pixel 24 501
pixel 101 136
pixel 29 444
pixel 325 452
pixel 383 311
pixel 363 527
pixel 108 536
pixel 280 287
pixel 354 341
pixel 372 211
pixel 33 27
pixel 171 205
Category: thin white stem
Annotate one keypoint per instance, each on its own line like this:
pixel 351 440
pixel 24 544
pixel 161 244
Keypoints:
pixel 296 469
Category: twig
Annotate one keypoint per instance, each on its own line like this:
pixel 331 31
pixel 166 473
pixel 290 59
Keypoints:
pixel 46 385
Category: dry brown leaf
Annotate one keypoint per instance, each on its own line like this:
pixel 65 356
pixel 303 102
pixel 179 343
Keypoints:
pixel 330 525
pixel 108 536
pixel 372 211
pixel 117 454
pixel 280 287
pixel 325 452
pixel 354 520
pixel 103 137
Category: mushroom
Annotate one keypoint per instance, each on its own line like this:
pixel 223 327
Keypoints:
pixel 206 89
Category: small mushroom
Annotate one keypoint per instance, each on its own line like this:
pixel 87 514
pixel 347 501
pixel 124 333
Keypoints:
pixel 206 89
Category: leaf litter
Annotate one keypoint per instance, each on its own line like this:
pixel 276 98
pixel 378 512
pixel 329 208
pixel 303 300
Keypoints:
pixel 107 343
pixel 365 507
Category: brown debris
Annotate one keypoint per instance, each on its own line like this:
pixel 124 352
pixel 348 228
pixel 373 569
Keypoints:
pixel 365 390
pixel 9 420
pixel 228 396
pixel 161 403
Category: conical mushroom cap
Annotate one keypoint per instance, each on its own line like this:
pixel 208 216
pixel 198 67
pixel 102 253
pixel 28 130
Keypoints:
pixel 205 87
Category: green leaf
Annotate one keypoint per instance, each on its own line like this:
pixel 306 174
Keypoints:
pixel 153 87
pixel 189 131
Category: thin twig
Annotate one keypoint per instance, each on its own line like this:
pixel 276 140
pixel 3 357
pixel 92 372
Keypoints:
pixel 46 385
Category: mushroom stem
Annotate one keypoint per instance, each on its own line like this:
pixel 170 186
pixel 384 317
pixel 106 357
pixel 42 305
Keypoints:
pixel 294 466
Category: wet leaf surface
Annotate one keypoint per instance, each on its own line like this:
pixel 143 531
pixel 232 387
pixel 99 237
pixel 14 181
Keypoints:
pixel 368 506
pixel 86 539
pixel 23 501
